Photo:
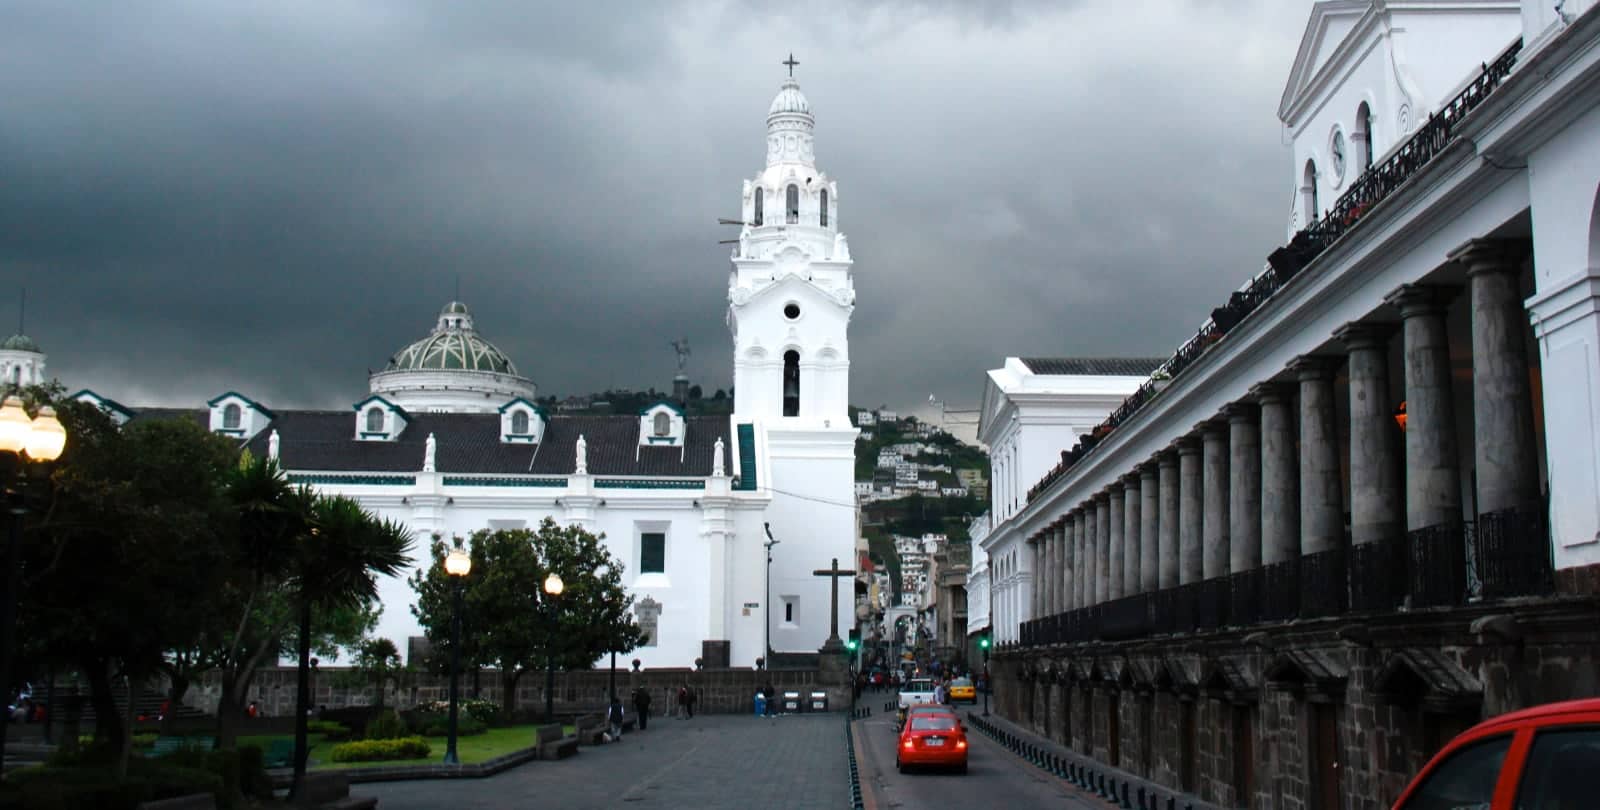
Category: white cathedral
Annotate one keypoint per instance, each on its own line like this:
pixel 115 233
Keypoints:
pixel 450 441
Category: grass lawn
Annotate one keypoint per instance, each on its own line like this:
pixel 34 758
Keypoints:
pixel 471 750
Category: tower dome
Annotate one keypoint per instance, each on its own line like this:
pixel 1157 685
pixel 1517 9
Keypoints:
pixel 451 369
pixel 790 100
pixel 21 362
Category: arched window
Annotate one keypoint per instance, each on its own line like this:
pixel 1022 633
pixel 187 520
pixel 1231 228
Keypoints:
pixel 663 423
pixel 761 196
pixel 374 420
pixel 1363 137
pixel 231 416
pixel 792 205
pixel 519 422
pixel 824 217
pixel 791 383
pixel 1308 192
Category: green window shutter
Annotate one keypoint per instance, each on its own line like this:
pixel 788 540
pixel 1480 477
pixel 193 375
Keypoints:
pixel 652 553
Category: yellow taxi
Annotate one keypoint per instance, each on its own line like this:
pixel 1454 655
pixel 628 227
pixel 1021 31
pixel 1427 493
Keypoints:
pixel 962 689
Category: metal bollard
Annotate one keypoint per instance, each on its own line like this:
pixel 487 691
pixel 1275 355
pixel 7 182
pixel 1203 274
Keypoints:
pixel 1141 799
pixel 1126 805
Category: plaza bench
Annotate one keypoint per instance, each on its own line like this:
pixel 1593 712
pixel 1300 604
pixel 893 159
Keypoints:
pixel 591 729
pixel 280 754
pixel 197 801
pixel 168 745
pixel 553 743
pixel 331 791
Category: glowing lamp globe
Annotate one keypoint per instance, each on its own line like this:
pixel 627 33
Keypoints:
pixel 14 425
pixel 553 585
pixel 458 563
pixel 48 437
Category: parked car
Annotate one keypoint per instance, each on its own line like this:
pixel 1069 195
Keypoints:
pixel 961 689
pixel 1543 758
pixel 931 738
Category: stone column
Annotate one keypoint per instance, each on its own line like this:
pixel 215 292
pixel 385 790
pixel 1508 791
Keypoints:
pixel 1244 487
pixel 1321 488
pixel 1191 554
pixel 1115 501
pixel 1091 548
pixel 1131 549
pixel 1069 559
pixel 1502 396
pixel 1377 502
pixel 1149 528
pixel 1433 466
pixel 1280 474
pixel 1102 547
pixel 1037 578
pixel 1214 496
pixel 1167 525
pixel 1058 577
pixel 1080 556
pixel 1052 582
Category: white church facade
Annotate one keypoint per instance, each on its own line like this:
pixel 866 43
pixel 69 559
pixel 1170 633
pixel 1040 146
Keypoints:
pixel 450 441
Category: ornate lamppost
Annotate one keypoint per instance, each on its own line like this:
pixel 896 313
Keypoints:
pixel 457 565
pixel 552 589
pixel 21 440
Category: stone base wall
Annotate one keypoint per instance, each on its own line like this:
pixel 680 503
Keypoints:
pixel 726 691
pixel 1264 718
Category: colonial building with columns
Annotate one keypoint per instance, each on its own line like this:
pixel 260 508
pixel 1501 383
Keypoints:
pixel 1359 510
pixel 449 440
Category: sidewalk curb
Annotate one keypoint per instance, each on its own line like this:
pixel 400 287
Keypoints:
pixel 869 791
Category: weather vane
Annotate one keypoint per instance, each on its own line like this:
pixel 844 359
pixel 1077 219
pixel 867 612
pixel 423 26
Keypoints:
pixel 791 63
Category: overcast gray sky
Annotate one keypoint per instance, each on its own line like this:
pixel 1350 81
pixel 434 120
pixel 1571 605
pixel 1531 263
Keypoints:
pixel 275 196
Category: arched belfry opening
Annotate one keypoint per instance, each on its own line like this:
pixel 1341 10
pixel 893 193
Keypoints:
pixel 761 195
pixel 791 383
pixel 1363 137
pixel 823 221
pixel 792 205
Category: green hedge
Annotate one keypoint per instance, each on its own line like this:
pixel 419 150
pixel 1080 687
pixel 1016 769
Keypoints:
pixel 386 726
pixel 379 750
pixel 465 727
pixel 330 731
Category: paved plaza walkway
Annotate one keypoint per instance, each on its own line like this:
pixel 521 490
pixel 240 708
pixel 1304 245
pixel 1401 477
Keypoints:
pixel 708 763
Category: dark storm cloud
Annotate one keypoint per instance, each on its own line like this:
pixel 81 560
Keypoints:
pixel 274 197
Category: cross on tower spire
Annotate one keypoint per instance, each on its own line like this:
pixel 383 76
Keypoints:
pixel 791 63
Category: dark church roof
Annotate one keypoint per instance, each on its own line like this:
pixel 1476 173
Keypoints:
pixel 1094 366
pixel 469 443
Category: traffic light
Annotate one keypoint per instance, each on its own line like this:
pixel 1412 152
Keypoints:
pixel 983 642
pixel 854 642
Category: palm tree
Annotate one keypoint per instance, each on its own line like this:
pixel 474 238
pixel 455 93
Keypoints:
pixel 333 565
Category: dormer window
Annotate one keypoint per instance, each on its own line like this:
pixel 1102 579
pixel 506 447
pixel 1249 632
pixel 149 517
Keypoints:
pixel 792 205
pixel 822 218
pixel 234 414
pixel 661 425
pixel 521 422
pixel 379 420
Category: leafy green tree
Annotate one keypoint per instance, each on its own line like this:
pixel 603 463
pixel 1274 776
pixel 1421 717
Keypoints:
pixel 515 628
pixel 377 662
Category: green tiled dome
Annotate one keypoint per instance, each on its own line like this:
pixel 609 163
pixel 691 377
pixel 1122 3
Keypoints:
pixel 20 343
pixel 453 346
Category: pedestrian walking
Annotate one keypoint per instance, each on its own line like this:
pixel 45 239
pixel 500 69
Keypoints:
pixel 771 696
pixel 690 704
pixel 614 717
pixel 641 706
pixel 683 701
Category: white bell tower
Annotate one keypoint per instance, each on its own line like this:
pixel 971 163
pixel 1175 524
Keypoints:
pixel 790 297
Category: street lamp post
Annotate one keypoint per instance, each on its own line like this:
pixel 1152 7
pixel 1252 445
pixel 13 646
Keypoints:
pixel 457 565
pixel 38 439
pixel 988 684
pixel 552 589
pixel 766 609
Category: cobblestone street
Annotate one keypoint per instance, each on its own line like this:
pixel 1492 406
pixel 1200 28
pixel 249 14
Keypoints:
pixel 708 763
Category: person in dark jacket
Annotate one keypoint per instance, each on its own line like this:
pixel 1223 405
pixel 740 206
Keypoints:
pixel 614 717
pixel 641 706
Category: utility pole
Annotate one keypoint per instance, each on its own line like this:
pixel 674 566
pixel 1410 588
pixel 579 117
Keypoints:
pixel 766 606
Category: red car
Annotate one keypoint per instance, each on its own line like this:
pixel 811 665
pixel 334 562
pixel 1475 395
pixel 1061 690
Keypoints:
pixel 1543 758
pixel 932 738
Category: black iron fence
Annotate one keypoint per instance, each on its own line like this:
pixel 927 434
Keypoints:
pixel 1509 551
